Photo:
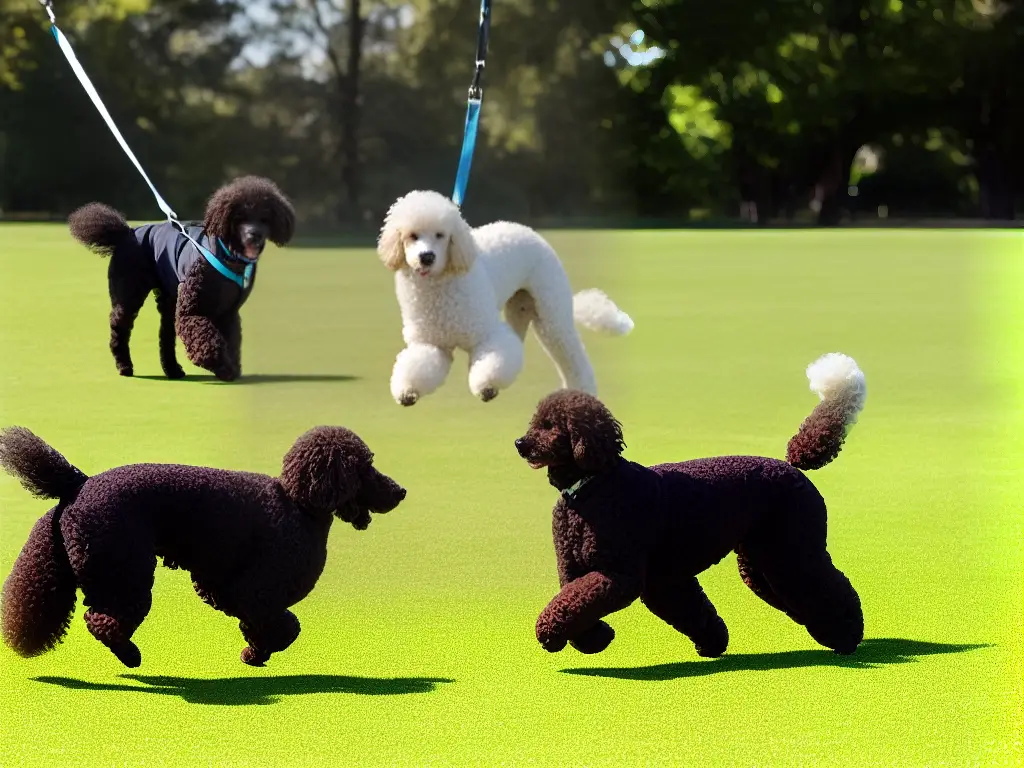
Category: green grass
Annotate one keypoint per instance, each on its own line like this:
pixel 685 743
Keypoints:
pixel 417 645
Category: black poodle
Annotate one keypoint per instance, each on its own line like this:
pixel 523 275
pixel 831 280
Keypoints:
pixel 624 531
pixel 198 294
pixel 254 545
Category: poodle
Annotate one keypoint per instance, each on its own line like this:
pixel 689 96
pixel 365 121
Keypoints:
pixel 254 545
pixel 624 531
pixel 452 283
pixel 198 294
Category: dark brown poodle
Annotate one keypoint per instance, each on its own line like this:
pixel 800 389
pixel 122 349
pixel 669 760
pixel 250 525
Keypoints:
pixel 624 531
pixel 254 545
pixel 198 294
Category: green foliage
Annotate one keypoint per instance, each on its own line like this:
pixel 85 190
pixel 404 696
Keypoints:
pixel 766 102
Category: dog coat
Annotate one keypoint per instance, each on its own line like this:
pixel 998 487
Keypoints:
pixel 174 254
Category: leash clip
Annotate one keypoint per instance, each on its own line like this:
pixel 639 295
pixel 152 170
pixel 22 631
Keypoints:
pixel 476 90
pixel 48 7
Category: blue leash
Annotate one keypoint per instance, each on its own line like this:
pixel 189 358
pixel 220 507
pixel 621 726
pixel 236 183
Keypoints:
pixel 90 89
pixel 476 97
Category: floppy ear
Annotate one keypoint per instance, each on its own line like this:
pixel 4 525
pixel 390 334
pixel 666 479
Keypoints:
pixel 461 248
pixel 282 220
pixel 220 211
pixel 389 245
pixel 356 514
pixel 596 442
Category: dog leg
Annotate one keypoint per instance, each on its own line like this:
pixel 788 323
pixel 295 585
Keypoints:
pixel 679 601
pixel 759 585
pixel 114 564
pixel 231 328
pixel 205 345
pixel 581 604
pixel 124 310
pixel 419 370
pixel 495 363
pixel 129 285
pixel 168 338
pixel 820 594
pixel 556 331
pixel 115 633
pixel 266 636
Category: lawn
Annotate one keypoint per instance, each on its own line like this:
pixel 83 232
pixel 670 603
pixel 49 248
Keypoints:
pixel 417 645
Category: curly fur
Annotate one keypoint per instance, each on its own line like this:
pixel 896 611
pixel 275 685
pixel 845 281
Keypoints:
pixel 254 545
pixel 623 531
pixel 452 284
pixel 203 310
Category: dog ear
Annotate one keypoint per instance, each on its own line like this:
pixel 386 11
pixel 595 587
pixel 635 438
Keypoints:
pixel 282 220
pixel 596 441
pixel 353 513
pixel 389 245
pixel 461 248
pixel 219 211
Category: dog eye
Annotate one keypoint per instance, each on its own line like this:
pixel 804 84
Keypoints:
pixel 545 425
pixel 439 235
pixel 413 236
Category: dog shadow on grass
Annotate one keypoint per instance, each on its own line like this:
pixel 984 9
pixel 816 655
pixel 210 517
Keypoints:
pixel 245 691
pixel 257 378
pixel 870 654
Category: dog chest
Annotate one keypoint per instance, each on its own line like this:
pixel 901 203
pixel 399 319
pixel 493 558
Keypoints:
pixel 447 312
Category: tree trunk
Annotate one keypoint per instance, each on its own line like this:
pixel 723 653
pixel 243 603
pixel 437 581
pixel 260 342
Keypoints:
pixel 350 105
pixel 831 189
pixel 995 188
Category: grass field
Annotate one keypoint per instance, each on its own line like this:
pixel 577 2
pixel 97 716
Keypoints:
pixel 417 645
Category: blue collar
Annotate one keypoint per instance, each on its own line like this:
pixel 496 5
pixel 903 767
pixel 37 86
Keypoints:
pixel 243 280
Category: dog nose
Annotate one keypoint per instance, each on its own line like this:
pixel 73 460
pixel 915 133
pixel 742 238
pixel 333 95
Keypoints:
pixel 427 258
pixel 402 494
pixel 522 446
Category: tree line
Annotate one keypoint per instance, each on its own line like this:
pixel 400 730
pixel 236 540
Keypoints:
pixel 605 110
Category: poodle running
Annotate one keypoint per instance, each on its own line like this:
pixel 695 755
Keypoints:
pixel 198 293
pixel 254 545
pixel 624 531
pixel 452 283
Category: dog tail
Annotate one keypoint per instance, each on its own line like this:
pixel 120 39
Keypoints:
pixel 593 310
pixel 39 596
pixel 41 470
pixel 98 227
pixel 840 384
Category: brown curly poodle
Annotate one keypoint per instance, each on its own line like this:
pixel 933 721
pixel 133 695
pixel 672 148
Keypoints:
pixel 254 545
pixel 197 300
pixel 624 531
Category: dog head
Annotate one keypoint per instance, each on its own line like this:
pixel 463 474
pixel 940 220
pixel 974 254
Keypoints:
pixel 425 233
pixel 330 470
pixel 574 436
pixel 246 213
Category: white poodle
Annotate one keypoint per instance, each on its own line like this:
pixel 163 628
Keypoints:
pixel 452 283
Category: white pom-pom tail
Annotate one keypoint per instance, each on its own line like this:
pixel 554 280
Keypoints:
pixel 593 310
pixel 837 376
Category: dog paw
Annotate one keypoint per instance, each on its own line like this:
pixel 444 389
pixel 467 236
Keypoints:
pixel 595 639
pixel 488 394
pixel 174 373
pixel 714 643
pixel 128 653
pixel 408 398
pixel 253 657
pixel 553 644
pixel 125 370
